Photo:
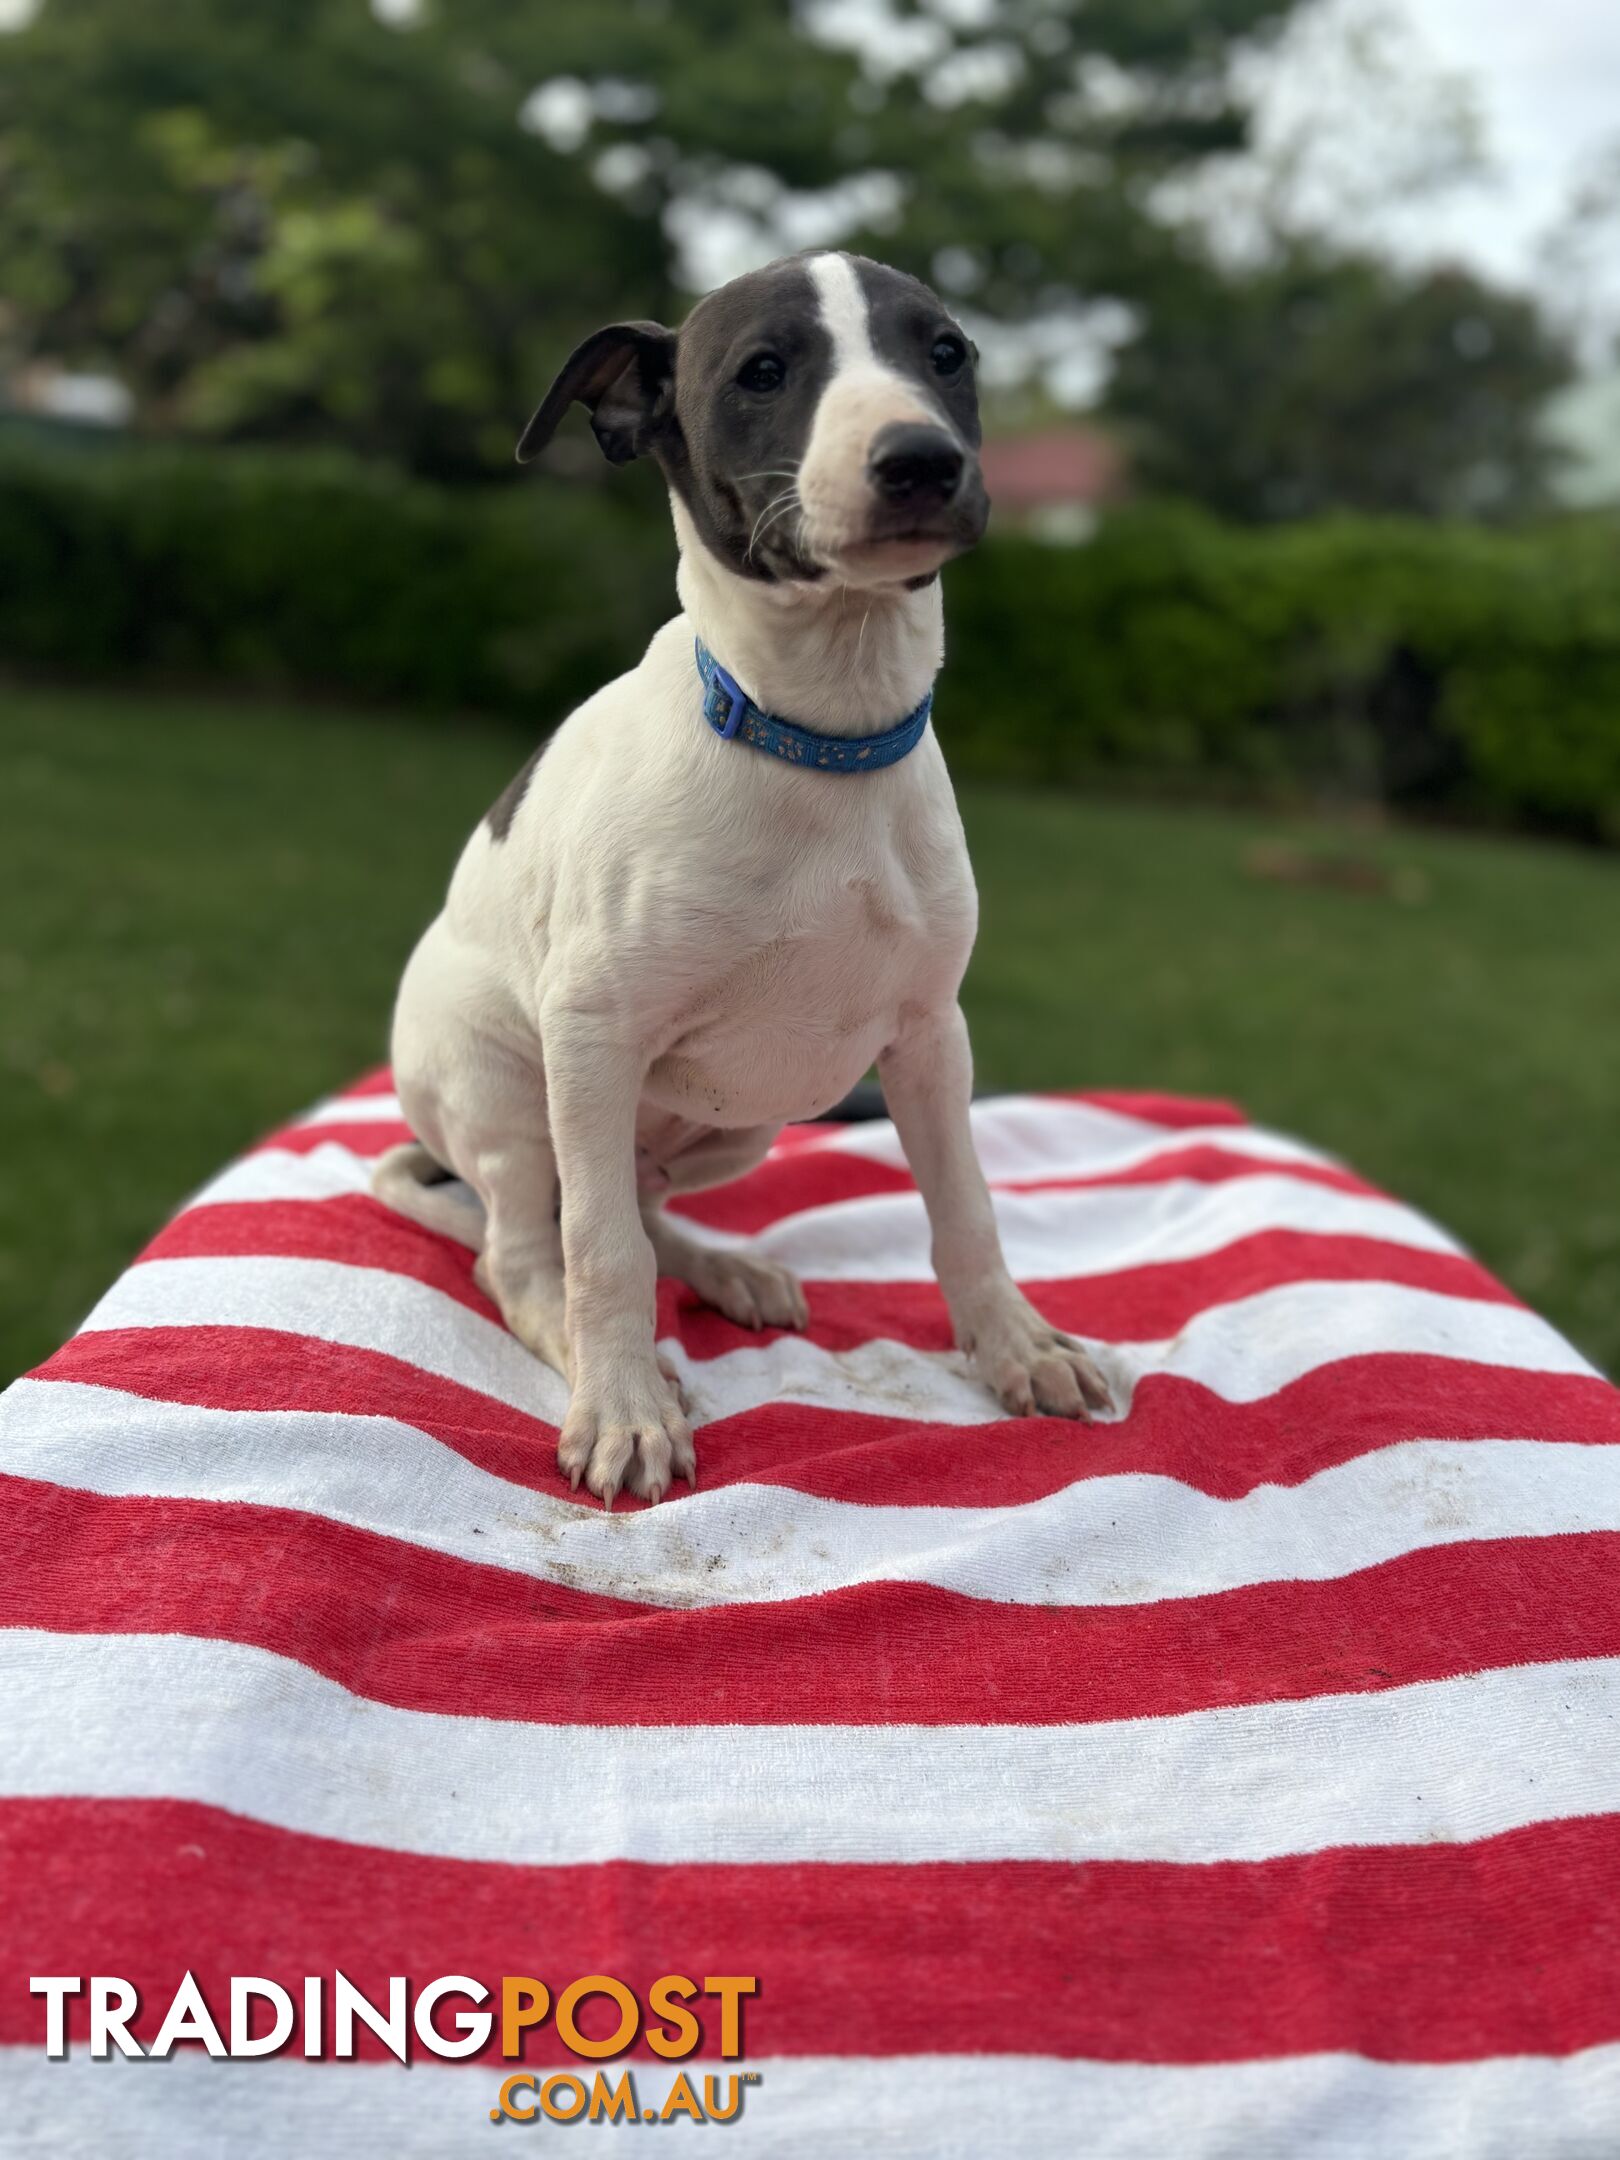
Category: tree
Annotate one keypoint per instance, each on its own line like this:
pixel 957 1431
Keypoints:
pixel 1320 380
pixel 319 221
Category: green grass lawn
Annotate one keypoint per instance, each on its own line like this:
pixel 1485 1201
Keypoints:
pixel 204 909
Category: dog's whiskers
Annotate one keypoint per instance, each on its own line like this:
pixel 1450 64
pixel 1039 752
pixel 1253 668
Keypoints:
pixel 777 508
pixel 784 511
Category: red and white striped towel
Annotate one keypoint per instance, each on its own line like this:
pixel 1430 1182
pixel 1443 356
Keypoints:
pixel 1239 1777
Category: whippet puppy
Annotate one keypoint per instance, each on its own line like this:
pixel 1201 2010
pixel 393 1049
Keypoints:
pixel 735 877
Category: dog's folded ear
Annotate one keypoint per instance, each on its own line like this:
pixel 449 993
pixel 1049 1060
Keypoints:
pixel 623 375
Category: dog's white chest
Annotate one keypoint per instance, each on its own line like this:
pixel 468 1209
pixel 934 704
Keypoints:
pixel 803 1012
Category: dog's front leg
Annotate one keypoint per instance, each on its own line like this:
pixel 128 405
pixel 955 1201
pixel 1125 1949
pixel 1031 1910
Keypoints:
pixel 927 1075
pixel 624 1425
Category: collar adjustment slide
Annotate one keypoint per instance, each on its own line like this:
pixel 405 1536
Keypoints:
pixel 725 703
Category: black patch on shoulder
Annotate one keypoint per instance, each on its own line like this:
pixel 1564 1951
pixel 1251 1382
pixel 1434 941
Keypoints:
pixel 498 817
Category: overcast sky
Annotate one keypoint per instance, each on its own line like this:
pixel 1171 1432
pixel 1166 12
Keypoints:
pixel 1546 74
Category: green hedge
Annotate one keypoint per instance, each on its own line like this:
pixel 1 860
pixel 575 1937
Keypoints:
pixel 1466 670
pixel 299 570
pixel 1431 666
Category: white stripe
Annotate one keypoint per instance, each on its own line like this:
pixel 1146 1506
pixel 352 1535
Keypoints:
pixel 1095 1232
pixel 903 2107
pixel 1242 1351
pixel 364 1308
pixel 843 311
pixel 1033 1136
pixel 1046 1234
pixel 353 1110
pixel 320 1173
pixel 272 1173
pixel 1123 1540
pixel 232 1726
pixel 1026 1130
pixel 1018 1139
pixel 1016 1136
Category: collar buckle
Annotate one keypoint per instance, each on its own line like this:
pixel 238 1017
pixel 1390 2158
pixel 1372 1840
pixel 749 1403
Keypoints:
pixel 725 702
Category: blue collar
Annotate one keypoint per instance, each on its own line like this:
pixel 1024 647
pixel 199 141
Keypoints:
pixel 731 712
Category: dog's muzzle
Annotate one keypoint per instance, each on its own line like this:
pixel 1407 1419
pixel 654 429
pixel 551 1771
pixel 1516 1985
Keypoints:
pixel 924 486
pixel 915 467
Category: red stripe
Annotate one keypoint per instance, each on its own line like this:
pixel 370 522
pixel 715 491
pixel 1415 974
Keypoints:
pixel 231 1368
pixel 1154 1109
pixel 427 1631
pixel 370 1137
pixel 1130 1305
pixel 366 1137
pixel 1141 1304
pixel 795 1183
pixel 789 1183
pixel 1175 1428
pixel 1202 1165
pixel 1436 1953
pixel 349 1227
pixel 799 1178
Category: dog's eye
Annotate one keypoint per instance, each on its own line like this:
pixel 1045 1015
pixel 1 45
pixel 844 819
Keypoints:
pixel 948 354
pixel 763 372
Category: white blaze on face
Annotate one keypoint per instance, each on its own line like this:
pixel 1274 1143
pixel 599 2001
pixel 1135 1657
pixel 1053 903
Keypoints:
pixel 862 395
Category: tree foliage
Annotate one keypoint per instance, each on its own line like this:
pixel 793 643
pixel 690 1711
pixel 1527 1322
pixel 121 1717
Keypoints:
pixel 1319 380
pixel 317 221
pixel 381 225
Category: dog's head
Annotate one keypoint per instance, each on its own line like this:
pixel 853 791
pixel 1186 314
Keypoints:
pixel 816 418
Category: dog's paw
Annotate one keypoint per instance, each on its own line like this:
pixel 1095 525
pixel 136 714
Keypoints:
pixel 627 1438
pixel 747 1288
pixel 1032 1367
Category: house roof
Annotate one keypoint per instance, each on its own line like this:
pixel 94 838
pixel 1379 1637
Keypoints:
pixel 1058 465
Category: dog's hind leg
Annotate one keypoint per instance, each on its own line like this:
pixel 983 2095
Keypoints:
pixel 482 1113
pixel 413 1184
pixel 743 1284
pixel 521 1266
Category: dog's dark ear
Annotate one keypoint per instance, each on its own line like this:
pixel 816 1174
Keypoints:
pixel 623 375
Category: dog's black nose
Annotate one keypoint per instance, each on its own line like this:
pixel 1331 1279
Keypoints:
pixel 916 464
